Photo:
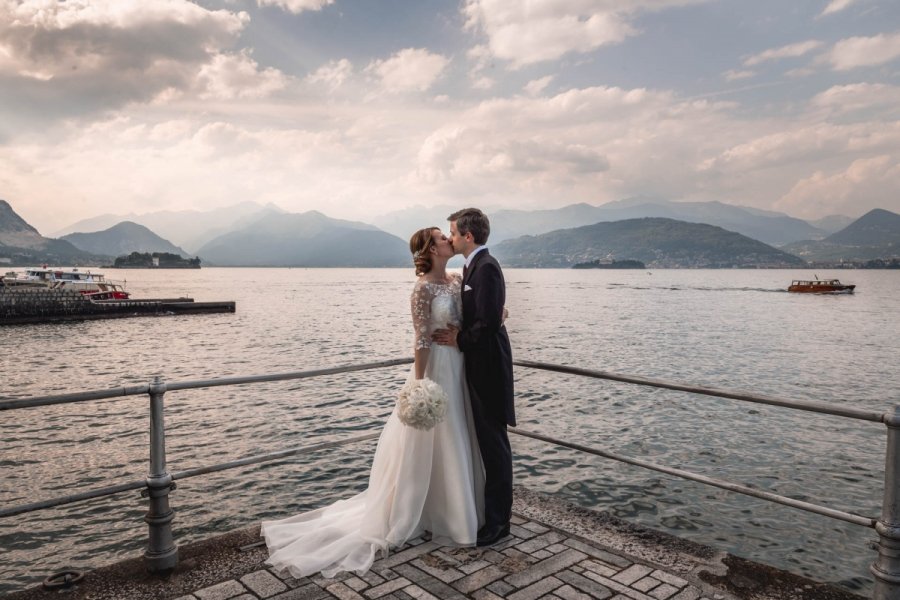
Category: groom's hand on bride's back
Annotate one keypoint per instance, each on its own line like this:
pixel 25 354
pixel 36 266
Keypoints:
pixel 446 336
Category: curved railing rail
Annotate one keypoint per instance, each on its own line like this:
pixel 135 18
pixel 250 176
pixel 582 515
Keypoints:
pixel 162 554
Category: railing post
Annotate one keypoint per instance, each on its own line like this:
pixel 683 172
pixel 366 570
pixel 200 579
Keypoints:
pixel 161 555
pixel 886 567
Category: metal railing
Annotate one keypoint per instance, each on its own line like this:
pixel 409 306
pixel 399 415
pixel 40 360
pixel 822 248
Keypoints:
pixel 161 555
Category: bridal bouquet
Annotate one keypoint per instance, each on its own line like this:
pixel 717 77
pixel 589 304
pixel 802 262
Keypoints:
pixel 421 404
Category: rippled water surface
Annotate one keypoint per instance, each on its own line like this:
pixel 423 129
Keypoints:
pixel 725 328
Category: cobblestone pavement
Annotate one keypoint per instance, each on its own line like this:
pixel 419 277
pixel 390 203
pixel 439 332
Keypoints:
pixel 534 562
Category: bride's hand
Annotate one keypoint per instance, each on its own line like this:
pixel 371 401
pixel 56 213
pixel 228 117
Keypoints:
pixel 445 337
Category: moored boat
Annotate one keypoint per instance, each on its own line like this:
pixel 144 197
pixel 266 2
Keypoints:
pixel 91 285
pixel 821 286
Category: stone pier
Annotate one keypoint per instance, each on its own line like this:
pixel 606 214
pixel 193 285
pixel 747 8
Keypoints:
pixel 556 551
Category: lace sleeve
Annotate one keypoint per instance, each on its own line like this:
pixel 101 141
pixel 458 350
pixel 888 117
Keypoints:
pixel 420 303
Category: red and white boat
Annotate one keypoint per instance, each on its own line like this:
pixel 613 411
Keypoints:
pixel 92 285
pixel 821 286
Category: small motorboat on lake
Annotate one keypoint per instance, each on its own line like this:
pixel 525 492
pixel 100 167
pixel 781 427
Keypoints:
pixel 91 285
pixel 820 286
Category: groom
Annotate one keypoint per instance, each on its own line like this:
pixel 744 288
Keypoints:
pixel 488 358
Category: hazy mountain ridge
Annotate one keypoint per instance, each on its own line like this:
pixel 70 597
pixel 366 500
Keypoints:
pixel 121 239
pixel 20 243
pixel 766 226
pixel 875 235
pixel 308 239
pixel 657 242
pixel 189 229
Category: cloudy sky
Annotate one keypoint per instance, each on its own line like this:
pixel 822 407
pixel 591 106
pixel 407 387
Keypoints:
pixel 361 107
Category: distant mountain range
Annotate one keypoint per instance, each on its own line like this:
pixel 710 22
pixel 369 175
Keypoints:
pixel 876 234
pixel 20 243
pixel 122 239
pixel 657 242
pixel 189 229
pixel 307 240
pixel 250 234
pixel 767 226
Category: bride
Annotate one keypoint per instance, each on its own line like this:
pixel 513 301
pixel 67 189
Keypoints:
pixel 420 481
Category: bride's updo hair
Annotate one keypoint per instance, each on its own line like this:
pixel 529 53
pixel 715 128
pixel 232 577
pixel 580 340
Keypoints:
pixel 420 245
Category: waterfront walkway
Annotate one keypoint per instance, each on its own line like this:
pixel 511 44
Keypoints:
pixel 556 551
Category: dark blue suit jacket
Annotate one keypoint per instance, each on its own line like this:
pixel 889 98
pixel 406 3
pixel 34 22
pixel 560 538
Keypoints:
pixel 484 341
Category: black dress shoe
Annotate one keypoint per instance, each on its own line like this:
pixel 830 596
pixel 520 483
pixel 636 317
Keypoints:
pixel 488 536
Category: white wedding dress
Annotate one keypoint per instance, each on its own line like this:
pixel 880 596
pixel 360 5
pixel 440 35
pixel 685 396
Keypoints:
pixel 420 480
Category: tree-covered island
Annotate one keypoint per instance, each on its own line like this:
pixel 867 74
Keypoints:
pixel 155 260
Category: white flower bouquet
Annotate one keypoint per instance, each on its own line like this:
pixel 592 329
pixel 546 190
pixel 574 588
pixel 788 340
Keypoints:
pixel 421 404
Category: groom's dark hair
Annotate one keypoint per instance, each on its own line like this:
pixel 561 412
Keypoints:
pixel 474 221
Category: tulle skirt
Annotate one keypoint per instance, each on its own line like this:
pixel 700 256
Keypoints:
pixel 420 481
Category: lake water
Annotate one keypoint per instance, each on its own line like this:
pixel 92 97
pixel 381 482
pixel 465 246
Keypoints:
pixel 735 329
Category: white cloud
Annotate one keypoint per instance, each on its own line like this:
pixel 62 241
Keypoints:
pixel 230 76
pixel 734 75
pixel 857 52
pixel 864 185
pixel 81 56
pixel 412 69
pixel 525 33
pixel 862 98
pixel 536 86
pixel 296 6
pixel 789 51
pixel 836 6
pixel 332 75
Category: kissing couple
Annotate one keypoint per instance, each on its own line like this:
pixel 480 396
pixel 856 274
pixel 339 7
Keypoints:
pixel 452 479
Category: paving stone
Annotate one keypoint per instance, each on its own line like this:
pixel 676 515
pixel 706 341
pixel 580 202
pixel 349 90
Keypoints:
pixel 372 578
pixel 585 585
pixel 480 579
pixel 387 587
pixel 485 594
pixel 506 543
pixel 535 527
pixel 632 574
pixel 387 574
pixel 688 593
pixel 356 584
pixel 501 588
pixel 598 568
pixel 414 591
pixel 263 584
pixel 669 578
pixel 343 592
pixel 245 597
pixel 545 568
pixel 541 542
pixel 521 532
pixel 603 555
pixel 536 590
pixel 493 556
pixel 542 554
pixel 406 555
pixel 188 597
pixel 516 519
pixel 475 565
pixel 664 592
pixel 307 591
pixel 432 585
pixel 645 584
pixel 447 574
pixel 623 590
pixel 556 548
pixel 221 591
pixel 402 594
pixel 567 592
